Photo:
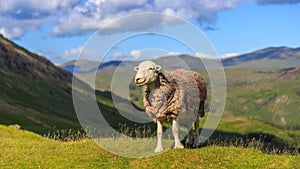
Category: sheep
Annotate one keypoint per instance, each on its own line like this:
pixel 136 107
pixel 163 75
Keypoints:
pixel 176 96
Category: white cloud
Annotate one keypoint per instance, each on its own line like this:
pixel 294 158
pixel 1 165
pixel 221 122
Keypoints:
pixel 79 17
pixel 73 54
pixel 203 55
pixel 28 9
pixel 172 53
pixel 136 54
pixel 93 15
pixel 119 55
pixel 132 55
pixel 229 55
pixel 15 28
pixel 74 17
pixel 20 16
pixel 13 33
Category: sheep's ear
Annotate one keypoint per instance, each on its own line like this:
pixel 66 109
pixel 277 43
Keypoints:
pixel 136 68
pixel 157 67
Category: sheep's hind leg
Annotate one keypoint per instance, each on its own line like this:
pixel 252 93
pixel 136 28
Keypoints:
pixel 190 138
pixel 159 147
pixel 176 135
pixel 196 137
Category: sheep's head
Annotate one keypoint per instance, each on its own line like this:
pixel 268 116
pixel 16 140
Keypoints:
pixel 146 73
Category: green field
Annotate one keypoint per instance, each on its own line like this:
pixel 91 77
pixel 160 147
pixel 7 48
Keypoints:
pixel 264 95
pixel 23 149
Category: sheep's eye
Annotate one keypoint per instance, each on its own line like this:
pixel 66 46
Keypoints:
pixel 151 68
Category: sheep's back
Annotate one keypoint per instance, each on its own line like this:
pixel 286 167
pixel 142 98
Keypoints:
pixel 189 95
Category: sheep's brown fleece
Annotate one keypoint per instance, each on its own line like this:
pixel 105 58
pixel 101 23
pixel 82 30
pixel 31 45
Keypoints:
pixel 178 93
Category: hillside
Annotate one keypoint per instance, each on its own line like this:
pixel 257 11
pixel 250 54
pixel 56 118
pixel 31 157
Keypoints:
pixel 270 95
pixel 37 95
pixel 34 93
pixel 19 60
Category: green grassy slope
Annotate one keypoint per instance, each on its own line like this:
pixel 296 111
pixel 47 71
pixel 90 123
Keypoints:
pixel 23 149
pixel 264 95
pixel 36 105
pixel 37 95
pixel 34 93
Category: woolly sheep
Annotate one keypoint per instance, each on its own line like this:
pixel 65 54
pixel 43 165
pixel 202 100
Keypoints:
pixel 176 96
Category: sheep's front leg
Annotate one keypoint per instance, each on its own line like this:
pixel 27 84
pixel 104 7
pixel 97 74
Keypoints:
pixel 175 131
pixel 159 147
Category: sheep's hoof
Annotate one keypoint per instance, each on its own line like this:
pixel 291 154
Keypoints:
pixel 189 141
pixel 178 146
pixel 196 145
pixel 158 149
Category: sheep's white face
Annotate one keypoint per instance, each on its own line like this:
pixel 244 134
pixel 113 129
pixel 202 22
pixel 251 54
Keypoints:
pixel 146 73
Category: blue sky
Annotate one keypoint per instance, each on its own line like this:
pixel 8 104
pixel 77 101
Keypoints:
pixel 59 30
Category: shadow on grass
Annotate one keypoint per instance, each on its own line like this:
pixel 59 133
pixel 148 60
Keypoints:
pixel 267 143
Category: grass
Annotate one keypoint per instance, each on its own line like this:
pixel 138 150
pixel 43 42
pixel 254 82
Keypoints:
pixel 35 104
pixel 267 98
pixel 230 131
pixel 242 131
pixel 23 149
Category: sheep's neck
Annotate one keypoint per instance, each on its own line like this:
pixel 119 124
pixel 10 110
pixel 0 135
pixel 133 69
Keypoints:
pixel 153 85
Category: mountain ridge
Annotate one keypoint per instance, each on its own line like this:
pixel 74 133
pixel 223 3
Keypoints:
pixel 270 57
pixel 20 60
pixel 277 57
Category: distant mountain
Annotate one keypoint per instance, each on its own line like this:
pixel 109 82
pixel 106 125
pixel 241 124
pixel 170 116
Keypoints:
pixel 273 57
pixel 168 62
pixel 81 66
